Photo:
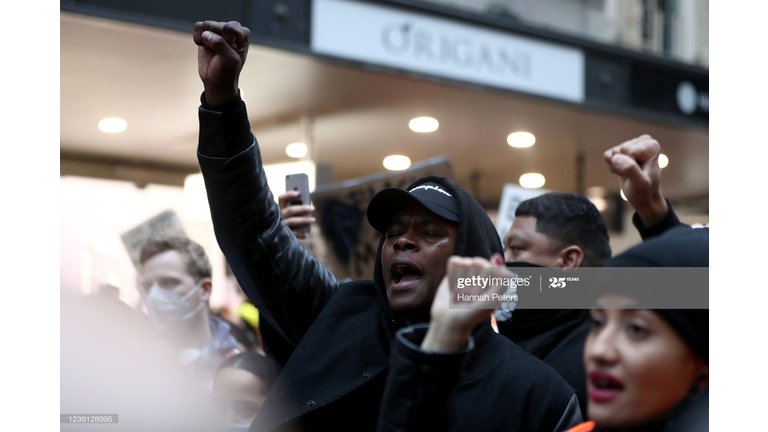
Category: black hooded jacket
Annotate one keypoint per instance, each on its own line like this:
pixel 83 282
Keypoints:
pixel 557 338
pixel 342 330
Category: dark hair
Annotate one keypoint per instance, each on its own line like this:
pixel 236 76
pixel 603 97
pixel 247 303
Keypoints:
pixel 260 366
pixel 570 219
pixel 195 259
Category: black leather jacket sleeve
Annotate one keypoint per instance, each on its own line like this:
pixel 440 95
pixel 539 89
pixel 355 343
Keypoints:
pixel 421 384
pixel 571 416
pixel 669 221
pixel 281 278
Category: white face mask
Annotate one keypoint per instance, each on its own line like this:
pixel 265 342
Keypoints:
pixel 168 308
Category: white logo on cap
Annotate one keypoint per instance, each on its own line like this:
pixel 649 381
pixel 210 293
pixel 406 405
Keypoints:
pixel 427 187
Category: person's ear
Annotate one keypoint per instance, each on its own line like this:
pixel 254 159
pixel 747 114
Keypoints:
pixel 572 256
pixel 205 290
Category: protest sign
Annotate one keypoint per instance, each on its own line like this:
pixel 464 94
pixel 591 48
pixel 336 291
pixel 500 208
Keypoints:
pixel 165 224
pixel 511 197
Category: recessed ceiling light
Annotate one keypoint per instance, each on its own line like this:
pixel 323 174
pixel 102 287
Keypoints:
pixel 423 124
pixel 521 139
pixel 112 125
pixel 532 180
pixel 663 160
pixel 397 162
pixel 296 150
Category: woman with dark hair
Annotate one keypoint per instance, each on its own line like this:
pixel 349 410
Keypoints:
pixel 241 385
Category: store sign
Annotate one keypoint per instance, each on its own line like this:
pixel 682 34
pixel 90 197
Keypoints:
pixel 420 43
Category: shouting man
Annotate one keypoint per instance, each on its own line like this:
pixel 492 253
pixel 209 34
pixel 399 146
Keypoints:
pixel 343 330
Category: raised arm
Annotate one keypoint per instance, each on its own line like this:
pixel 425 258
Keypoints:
pixel 636 162
pixel 281 278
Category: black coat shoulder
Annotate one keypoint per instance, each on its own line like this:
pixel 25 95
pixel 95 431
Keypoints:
pixel 513 374
pixel 494 385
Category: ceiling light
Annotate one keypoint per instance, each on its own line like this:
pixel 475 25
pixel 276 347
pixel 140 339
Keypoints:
pixel 296 150
pixel 624 197
pixel 521 139
pixel 423 124
pixel 397 162
pixel 663 160
pixel 532 180
pixel 112 125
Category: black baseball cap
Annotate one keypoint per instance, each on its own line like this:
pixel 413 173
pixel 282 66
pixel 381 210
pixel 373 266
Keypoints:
pixel 388 202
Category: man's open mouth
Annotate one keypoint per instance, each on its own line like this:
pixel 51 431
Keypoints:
pixel 404 272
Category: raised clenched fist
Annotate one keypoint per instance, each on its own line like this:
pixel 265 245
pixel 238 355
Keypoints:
pixel 636 162
pixel 221 52
pixel 450 328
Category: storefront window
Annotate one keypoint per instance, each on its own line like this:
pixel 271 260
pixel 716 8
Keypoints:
pixel 674 29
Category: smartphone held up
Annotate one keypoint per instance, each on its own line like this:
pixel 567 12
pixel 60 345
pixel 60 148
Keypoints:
pixel 298 183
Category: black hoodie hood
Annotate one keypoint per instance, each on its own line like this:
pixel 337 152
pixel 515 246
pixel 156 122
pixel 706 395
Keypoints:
pixel 476 235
